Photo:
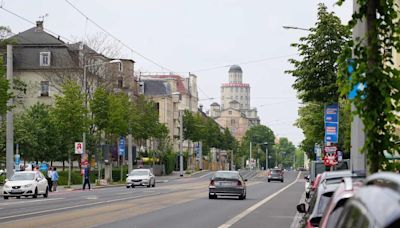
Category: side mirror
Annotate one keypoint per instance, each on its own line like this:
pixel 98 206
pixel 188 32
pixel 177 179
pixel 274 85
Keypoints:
pixel 301 208
pixel 245 179
pixel 127 175
pixel 307 178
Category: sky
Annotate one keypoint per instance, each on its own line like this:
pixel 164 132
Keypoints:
pixel 201 37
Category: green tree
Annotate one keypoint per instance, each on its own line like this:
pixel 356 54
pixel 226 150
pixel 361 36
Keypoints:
pixel 285 151
pixel 316 73
pixel 70 117
pixel 37 134
pixel 5 94
pixel 378 104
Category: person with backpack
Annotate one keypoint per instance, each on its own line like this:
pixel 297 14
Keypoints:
pixel 54 179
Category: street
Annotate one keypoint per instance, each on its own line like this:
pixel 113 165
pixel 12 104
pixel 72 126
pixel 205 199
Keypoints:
pixel 177 203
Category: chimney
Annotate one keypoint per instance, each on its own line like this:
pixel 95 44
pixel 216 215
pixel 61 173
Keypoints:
pixel 39 26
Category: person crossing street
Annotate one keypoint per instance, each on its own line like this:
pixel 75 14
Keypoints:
pixel 86 178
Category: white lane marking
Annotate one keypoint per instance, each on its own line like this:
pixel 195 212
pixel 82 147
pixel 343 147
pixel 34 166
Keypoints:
pixel 298 216
pixel 28 201
pixel 76 206
pixel 202 176
pixel 235 219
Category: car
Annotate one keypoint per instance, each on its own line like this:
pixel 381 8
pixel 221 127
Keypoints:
pixel 227 183
pixel 26 183
pixel 140 177
pixel 376 204
pixel 328 183
pixel 335 206
pixel 307 186
pixel 275 175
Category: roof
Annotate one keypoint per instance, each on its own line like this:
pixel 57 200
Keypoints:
pixel 179 81
pixel 156 88
pixel 36 36
pixel 235 68
pixel 215 104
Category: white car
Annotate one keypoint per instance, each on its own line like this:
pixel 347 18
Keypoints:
pixel 26 183
pixel 140 177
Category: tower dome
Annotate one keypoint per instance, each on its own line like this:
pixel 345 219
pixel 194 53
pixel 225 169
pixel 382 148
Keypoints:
pixel 235 68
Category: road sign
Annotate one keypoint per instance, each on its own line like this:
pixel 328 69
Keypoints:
pixel 330 149
pixel 331 113
pixel 78 147
pixel 121 147
pixel 331 132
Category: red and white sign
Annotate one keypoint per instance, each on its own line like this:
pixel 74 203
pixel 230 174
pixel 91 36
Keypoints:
pixel 78 147
pixel 330 149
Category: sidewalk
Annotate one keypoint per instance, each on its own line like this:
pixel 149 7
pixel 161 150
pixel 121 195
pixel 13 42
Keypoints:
pixel 175 175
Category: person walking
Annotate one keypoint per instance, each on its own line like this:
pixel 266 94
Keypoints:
pixel 48 177
pixel 86 178
pixel 54 179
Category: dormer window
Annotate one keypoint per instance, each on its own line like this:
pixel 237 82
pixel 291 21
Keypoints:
pixel 45 58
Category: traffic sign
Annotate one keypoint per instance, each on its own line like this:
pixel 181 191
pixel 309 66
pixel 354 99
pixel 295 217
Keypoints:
pixel 331 132
pixel 78 147
pixel 121 147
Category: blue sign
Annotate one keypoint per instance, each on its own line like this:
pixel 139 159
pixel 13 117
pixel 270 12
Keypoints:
pixel 332 113
pixel 43 167
pixel 331 132
pixel 121 147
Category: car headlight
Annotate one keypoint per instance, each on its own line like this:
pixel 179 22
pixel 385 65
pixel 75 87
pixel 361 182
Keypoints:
pixel 7 186
pixel 27 185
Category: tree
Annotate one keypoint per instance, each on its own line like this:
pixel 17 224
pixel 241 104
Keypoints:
pixel 5 94
pixel 378 104
pixel 70 117
pixel 316 72
pixel 285 151
pixel 316 79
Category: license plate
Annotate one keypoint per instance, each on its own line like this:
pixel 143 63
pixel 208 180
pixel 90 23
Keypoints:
pixel 16 191
pixel 225 184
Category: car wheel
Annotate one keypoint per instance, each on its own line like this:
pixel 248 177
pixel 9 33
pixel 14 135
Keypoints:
pixel 35 194
pixel 149 185
pixel 127 186
pixel 241 197
pixel 307 195
pixel 18 197
pixel 46 194
pixel 5 197
pixel 154 184
pixel 210 196
pixel 269 180
pixel 282 180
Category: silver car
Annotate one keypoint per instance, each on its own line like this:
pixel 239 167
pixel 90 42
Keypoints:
pixel 140 177
pixel 227 183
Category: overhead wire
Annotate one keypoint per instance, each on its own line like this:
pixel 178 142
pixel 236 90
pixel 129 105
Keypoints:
pixel 115 38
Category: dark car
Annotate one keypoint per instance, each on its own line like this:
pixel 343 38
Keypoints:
pixel 227 183
pixel 275 175
pixel 377 204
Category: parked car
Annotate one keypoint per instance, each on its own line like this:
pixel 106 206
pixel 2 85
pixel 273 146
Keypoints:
pixel 327 185
pixel 26 183
pixel 376 204
pixel 307 186
pixel 140 177
pixel 227 183
pixel 275 175
pixel 345 191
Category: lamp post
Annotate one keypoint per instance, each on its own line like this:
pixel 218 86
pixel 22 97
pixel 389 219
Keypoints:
pixel 85 105
pixel 266 155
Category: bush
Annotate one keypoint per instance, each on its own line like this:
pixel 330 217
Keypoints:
pixel 76 177
pixel 169 159
pixel 116 173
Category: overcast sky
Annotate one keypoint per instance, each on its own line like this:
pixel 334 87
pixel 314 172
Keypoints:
pixel 193 35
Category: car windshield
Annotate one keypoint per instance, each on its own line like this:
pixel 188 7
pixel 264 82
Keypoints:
pixel 22 176
pixel 275 171
pixel 139 173
pixel 226 175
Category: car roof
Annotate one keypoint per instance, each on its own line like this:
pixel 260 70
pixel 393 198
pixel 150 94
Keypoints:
pixel 226 171
pixel 140 170
pixel 26 172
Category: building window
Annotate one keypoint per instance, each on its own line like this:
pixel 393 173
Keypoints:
pixel 241 97
pixel 232 122
pixel 44 58
pixel 236 89
pixel 44 88
pixel 120 82
pixel 230 112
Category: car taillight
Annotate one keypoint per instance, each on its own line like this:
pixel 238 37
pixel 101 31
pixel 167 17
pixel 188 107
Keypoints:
pixel 239 183
pixel 212 183
pixel 309 225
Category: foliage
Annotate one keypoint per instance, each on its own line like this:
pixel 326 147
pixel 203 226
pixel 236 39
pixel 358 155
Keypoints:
pixel 285 152
pixel 37 134
pixel 372 56
pixel 169 160
pixel 118 115
pixel 316 72
pixel 70 117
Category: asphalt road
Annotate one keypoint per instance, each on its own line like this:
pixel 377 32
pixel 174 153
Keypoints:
pixel 178 203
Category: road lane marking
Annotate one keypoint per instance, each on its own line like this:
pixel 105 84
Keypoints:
pixel 202 176
pixel 76 206
pixel 238 217
pixel 29 201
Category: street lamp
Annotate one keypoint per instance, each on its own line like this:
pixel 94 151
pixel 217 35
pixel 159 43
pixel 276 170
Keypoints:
pixel 294 27
pixel 266 155
pixel 85 91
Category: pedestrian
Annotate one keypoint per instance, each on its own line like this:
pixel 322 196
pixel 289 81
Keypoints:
pixel 86 178
pixel 48 177
pixel 54 179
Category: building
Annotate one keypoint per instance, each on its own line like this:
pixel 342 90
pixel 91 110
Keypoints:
pixel 44 62
pixel 235 112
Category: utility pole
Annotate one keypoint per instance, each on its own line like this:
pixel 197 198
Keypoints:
pixel 10 117
pixel 201 155
pixel 181 143
pixel 250 160
pixel 266 157
pixel 357 137
pixel 130 159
